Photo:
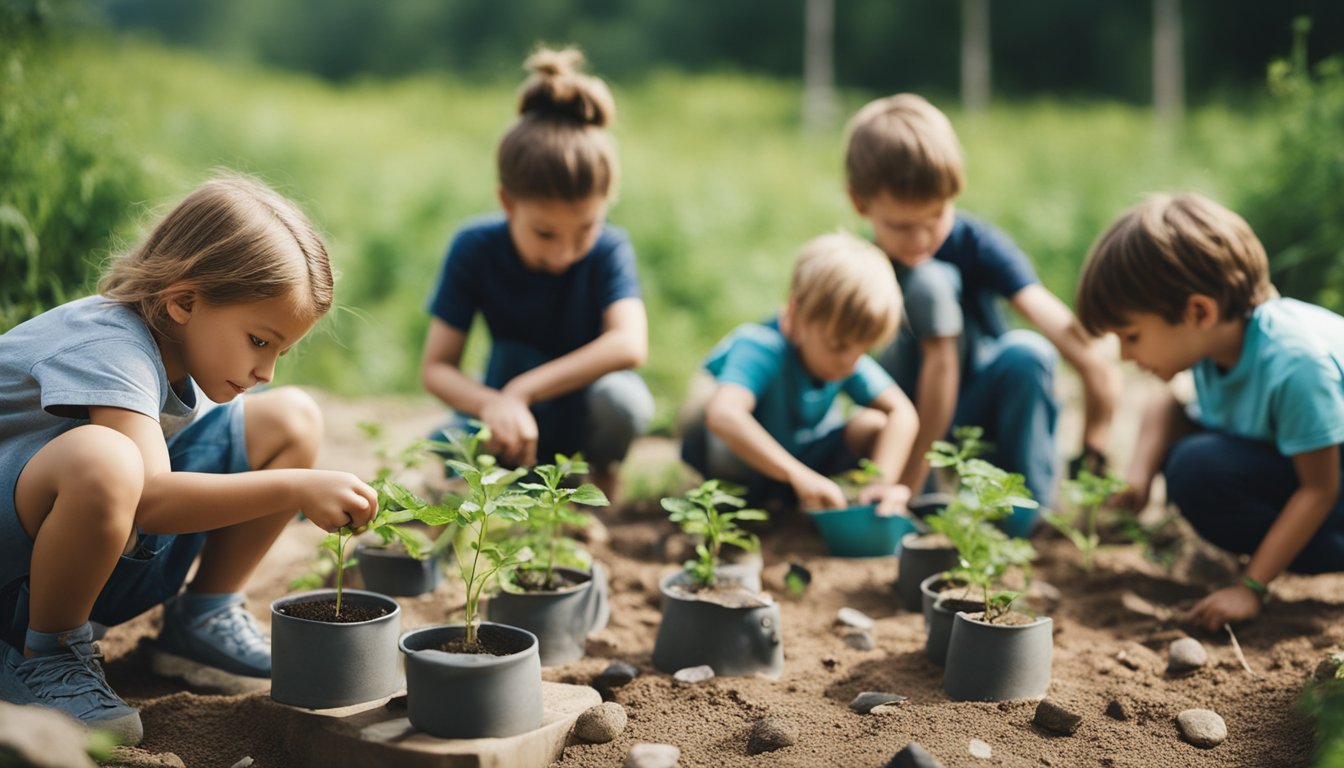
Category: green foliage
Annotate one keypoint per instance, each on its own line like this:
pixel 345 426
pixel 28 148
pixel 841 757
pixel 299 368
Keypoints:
pixel 852 481
pixel 1149 536
pixel 551 512
pixel 985 494
pixel 1297 209
pixel 698 513
pixel 1323 701
pixel 1086 494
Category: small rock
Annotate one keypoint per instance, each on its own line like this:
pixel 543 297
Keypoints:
pixel 913 756
pixel 616 674
pixel 1116 710
pixel 1056 719
pixel 1328 669
pixel 602 723
pixel 769 734
pixel 865 701
pixel 886 709
pixel 135 757
pixel 246 762
pixel 652 756
pixel 1202 727
pixel 980 750
pixel 1186 655
pixel 41 737
pixel 1124 657
pixel 830 662
pixel 860 641
pixel 692 675
pixel 850 617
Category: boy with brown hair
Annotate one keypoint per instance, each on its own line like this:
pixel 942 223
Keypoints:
pixel 955 356
pixel 1254 464
pixel 771 422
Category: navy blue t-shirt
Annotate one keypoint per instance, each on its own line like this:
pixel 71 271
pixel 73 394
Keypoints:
pixel 991 266
pixel 552 314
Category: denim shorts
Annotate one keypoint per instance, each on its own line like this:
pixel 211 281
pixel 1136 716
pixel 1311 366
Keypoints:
pixel 214 443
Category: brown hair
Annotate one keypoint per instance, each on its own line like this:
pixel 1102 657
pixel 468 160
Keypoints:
pixel 904 145
pixel 845 284
pixel 232 240
pixel 1164 250
pixel 559 147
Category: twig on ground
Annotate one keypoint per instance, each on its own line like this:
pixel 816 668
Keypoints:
pixel 1237 648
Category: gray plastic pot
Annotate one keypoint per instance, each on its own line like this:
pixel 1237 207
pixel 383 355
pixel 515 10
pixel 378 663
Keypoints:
pixel 320 665
pixel 918 562
pixel 998 662
pixel 941 615
pixel 929 592
pixel 560 619
pixel 393 572
pixel 733 641
pixel 472 695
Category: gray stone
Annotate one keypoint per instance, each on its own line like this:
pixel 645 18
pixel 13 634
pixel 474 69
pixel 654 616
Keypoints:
pixel 864 702
pixel 652 756
pixel 692 675
pixel 859 641
pixel 1328 668
pixel 1186 655
pixel 601 723
pixel 979 749
pixel 850 617
pixel 616 674
pixel 1056 719
pixel 771 733
pixel 1202 727
pixel 1116 710
pixel 246 762
pixel 42 738
pixel 913 756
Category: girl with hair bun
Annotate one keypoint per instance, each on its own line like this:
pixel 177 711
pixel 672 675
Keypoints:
pixel 555 284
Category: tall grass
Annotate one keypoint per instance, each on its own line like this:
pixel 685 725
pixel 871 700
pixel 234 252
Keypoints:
pixel 721 185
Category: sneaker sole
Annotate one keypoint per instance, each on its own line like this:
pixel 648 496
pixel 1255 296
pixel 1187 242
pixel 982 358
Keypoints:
pixel 202 676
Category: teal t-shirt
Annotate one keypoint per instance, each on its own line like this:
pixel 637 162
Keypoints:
pixel 1287 388
pixel 791 405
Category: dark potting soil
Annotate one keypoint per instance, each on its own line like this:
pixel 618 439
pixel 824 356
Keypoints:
pixel 534 580
pixel 325 610
pixel 488 641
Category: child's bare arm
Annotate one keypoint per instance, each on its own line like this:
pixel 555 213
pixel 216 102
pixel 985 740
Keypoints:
pixel 939 382
pixel 1307 508
pixel 728 416
pixel 623 344
pixel 1100 376
pixel 891 448
pixel 188 502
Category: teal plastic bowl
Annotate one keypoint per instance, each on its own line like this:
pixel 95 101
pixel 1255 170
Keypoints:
pixel 859 532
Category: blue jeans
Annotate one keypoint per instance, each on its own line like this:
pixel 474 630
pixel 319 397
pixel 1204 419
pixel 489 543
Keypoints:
pixel 1011 394
pixel 1232 489
pixel 215 443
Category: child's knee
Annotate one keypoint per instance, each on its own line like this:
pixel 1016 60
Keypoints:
pixel 862 429
pixel 110 476
pixel 621 398
pixel 287 414
pixel 1027 354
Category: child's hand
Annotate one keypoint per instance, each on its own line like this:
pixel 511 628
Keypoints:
pixel 1133 498
pixel 513 430
pixel 891 498
pixel 817 491
pixel 1227 605
pixel 333 500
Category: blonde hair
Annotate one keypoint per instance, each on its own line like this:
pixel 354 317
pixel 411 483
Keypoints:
pixel 232 240
pixel 845 285
pixel 904 145
pixel 1164 250
pixel 559 147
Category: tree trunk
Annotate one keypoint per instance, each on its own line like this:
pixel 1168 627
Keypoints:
pixel 819 101
pixel 975 66
pixel 1168 62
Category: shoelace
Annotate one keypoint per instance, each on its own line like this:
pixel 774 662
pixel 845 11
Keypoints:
pixel 72 676
pixel 238 631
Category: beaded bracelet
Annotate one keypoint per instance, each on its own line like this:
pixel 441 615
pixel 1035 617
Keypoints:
pixel 1255 586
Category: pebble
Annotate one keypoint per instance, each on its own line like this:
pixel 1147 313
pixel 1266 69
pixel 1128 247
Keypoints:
pixel 1116 710
pixel 1328 668
pixel 980 750
pixel 691 675
pixel 854 618
pixel 246 762
pixel 1202 727
pixel 616 674
pixel 652 756
pixel 769 734
pixel 601 723
pixel 859 640
pixel 1056 719
pixel 914 756
pixel 866 701
pixel 1186 655
pixel 41 737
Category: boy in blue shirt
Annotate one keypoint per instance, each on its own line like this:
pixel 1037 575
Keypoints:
pixel 956 357
pixel 1255 463
pixel 772 423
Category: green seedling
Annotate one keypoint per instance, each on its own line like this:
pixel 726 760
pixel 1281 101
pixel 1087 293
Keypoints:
pixel 797 580
pixel 853 481
pixel 698 513
pixel 552 512
pixel 1086 495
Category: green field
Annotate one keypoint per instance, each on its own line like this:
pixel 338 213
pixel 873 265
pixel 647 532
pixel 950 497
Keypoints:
pixel 721 185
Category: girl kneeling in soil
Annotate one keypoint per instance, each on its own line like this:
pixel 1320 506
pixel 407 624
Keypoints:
pixel 1255 464
pixel 556 285
pixel 126 450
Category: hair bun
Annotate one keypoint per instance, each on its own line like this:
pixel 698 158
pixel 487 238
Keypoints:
pixel 556 89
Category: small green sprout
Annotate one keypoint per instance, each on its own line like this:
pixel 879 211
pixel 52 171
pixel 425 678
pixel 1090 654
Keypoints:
pixel 698 515
pixel 1086 495
pixel 551 512
pixel 853 481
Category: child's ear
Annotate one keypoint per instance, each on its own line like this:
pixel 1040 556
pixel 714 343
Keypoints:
pixel 786 320
pixel 180 303
pixel 859 203
pixel 1201 311
pixel 505 202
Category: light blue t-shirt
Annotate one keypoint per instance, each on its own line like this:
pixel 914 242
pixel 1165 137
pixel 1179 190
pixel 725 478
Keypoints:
pixel 1287 387
pixel 790 404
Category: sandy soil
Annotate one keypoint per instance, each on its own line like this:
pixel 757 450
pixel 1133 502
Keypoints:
pixel 1109 647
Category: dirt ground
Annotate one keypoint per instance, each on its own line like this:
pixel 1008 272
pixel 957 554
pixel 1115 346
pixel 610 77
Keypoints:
pixel 1112 629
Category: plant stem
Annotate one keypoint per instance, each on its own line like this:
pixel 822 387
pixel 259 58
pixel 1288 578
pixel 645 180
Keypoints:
pixel 471 580
pixel 340 568
pixel 551 534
